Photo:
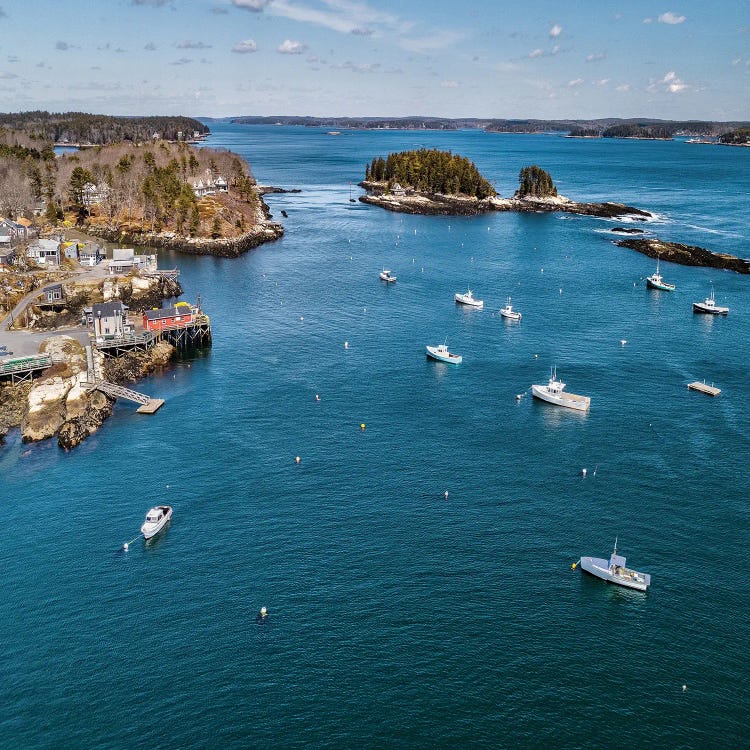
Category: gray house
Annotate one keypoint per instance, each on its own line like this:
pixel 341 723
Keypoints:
pixel 110 319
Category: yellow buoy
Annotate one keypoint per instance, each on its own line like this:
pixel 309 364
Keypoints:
pixel 297 459
pixel 574 566
pixel 362 426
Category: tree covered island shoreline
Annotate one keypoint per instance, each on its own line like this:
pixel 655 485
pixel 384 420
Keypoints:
pixel 433 182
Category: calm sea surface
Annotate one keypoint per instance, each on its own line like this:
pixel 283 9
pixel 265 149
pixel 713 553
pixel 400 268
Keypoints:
pixel 399 617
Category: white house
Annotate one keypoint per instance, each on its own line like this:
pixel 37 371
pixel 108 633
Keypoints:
pixel 210 186
pixel 46 252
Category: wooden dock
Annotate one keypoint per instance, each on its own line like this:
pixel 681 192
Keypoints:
pixel 704 388
pixel 153 405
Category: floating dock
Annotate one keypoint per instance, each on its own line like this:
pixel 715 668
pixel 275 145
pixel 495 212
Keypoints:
pixel 703 388
pixel 153 405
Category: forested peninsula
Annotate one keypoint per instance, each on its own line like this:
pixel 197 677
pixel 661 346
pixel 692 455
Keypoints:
pixel 138 187
pixel 429 181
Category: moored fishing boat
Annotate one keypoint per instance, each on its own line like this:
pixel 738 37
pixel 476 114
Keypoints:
pixel 387 276
pixel 709 306
pixel 441 354
pixel 655 281
pixel 615 571
pixel 509 312
pixel 554 393
pixel 156 519
pixel 468 299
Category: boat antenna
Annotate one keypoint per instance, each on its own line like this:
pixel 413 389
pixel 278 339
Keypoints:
pixel 615 552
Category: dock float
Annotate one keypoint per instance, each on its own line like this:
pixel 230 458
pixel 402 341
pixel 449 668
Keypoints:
pixel 703 388
pixel 152 406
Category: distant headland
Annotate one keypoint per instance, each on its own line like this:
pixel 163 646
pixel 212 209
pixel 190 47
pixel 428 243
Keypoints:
pixel 608 127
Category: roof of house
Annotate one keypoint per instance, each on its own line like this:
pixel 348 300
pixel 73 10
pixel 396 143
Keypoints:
pixel 108 309
pixel 123 253
pixel 54 288
pixel 167 312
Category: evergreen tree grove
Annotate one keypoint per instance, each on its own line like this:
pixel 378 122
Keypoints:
pixel 430 171
pixel 535 182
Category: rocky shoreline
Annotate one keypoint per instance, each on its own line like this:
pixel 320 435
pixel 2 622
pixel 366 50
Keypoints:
pixel 57 403
pixel 414 202
pixel 222 247
pixel 686 255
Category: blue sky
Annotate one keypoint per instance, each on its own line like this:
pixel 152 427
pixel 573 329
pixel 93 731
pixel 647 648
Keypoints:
pixel 680 59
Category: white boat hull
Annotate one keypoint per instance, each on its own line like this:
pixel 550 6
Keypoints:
pixel 470 301
pixel 510 315
pixel 151 529
pixel 631 579
pixel 708 309
pixel 443 356
pixel 561 398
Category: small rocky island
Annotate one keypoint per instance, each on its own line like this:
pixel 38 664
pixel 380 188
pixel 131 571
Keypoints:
pixel 433 182
pixel 686 255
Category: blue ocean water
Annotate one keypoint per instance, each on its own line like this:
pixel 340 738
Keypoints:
pixel 397 616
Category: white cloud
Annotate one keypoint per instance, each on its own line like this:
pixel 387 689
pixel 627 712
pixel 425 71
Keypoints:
pixel 648 20
pixel 288 47
pixel 575 82
pixel 602 82
pixel 623 87
pixel 438 40
pixel 670 84
pixel 449 84
pixel 555 31
pixel 149 47
pixel 536 53
pixel 595 56
pixel 256 6
pixel 245 46
pixel 671 18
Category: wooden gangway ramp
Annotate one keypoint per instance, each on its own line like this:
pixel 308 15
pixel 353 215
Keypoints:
pixel 711 390
pixel 148 405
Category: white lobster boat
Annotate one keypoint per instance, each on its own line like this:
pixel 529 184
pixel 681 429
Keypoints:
pixel 509 312
pixel 615 571
pixel 468 299
pixel 441 354
pixel 554 393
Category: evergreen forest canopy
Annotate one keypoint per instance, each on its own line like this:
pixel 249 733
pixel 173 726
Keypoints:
pixel 534 182
pixel 430 171
pixel 739 136
pixel 81 127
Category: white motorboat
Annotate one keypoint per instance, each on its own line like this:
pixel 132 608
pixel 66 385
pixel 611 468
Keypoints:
pixel 554 393
pixel 615 571
pixel 468 299
pixel 709 306
pixel 156 519
pixel 387 276
pixel 509 312
pixel 441 354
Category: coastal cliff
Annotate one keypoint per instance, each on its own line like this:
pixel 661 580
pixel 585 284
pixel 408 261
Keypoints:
pixel 58 404
pixel 686 255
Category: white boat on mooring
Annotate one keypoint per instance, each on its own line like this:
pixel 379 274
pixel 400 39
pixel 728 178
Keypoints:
pixel 468 299
pixel 615 571
pixel 509 312
pixel 441 354
pixel 709 306
pixel 387 275
pixel 156 519
pixel 554 393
